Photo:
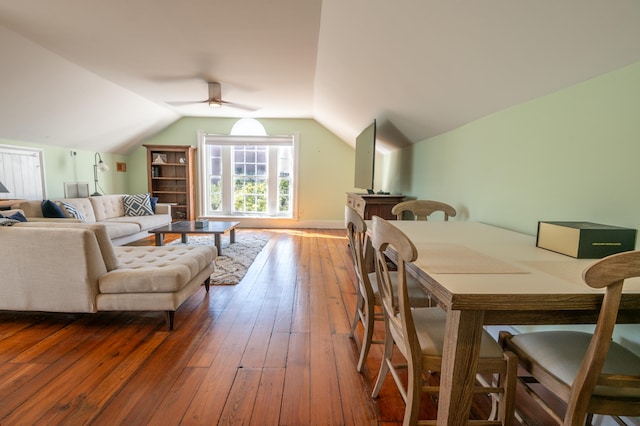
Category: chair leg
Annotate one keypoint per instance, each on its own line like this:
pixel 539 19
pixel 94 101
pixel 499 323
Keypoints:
pixel 509 381
pixel 367 335
pixel 356 316
pixel 384 366
pixel 207 283
pixel 169 315
pixel 414 392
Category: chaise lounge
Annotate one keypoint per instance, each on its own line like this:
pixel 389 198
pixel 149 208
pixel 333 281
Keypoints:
pixel 74 267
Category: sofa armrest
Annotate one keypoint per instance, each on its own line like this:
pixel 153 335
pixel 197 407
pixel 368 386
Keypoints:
pixel 163 208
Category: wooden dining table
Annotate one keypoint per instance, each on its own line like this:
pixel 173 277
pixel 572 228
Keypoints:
pixel 486 275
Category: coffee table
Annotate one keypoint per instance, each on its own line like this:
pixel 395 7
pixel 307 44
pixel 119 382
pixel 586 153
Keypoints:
pixel 215 227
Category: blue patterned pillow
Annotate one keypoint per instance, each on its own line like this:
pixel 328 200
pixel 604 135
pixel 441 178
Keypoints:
pixel 73 211
pixel 16 216
pixel 5 221
pixel 137 205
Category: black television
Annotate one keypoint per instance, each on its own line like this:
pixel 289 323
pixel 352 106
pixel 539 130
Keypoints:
pixel 365 158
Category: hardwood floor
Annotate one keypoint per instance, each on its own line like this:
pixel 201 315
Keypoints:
pixel 272 350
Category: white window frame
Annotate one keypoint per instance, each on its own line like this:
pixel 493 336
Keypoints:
pixel 205 139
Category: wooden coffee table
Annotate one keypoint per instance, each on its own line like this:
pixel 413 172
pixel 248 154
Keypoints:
pixel 215 227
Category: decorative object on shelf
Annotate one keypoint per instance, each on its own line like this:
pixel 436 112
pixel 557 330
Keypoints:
pixel 182 160
pixel 159 159
pixel 98 166
pixel 3 188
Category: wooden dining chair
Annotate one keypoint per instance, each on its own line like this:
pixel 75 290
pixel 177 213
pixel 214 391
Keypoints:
pixel 368 304
pixel 421 209
pixel 590 372
pixel 418 333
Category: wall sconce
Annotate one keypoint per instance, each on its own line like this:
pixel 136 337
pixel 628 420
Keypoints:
pixel 98 166
pixel 3 189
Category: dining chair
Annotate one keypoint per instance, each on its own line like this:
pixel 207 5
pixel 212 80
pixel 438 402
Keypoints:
pixel 588 371
pixel 368 304
pixel 421 209
pixel 419 333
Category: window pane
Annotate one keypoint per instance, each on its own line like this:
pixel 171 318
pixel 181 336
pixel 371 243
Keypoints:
pixel 248 167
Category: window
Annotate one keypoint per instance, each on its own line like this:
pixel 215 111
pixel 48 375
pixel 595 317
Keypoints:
pixel 248 175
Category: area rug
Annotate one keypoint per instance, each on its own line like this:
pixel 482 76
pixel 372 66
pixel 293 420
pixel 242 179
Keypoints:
pixel 236 258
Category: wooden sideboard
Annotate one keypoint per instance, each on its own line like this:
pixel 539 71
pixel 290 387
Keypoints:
pixel 369 205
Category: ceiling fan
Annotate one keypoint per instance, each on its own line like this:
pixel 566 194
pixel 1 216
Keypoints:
pixel 215 99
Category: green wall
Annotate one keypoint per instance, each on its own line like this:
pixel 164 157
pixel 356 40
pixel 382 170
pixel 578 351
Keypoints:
pixel 60 166
pixel 325 161
pixel 571 155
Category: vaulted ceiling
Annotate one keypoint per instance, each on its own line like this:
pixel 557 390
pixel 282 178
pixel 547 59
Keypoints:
pixel 103 75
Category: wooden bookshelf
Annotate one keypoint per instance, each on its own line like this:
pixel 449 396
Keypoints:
pixel 170 177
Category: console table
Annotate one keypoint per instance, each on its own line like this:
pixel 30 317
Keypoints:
pixel 368 205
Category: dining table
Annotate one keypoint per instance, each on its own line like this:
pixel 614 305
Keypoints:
pixel 482 275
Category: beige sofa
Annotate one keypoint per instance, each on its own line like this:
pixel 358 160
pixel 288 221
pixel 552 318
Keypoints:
pixel 74 267
pixel 107 210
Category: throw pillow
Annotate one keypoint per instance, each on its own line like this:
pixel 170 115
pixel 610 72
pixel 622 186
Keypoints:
pixel 154 201
pixel 137 205
pixel 51 209
pixel 73 211
pixel 5 221
pixel 17 216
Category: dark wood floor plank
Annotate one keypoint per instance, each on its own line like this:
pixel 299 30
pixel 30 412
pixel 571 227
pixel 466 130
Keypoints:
pixel 295 409
pixel 171 409
pixel 266 410
pixel 354 392
pixel 241 400
pixel 97 398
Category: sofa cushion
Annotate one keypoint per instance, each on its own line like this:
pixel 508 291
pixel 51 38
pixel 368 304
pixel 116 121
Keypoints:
pixel 73 211
pixel 107 206
pixel 117 229
pixel 51 209
pixel 142 222
pixel 82 205
pixel 156 269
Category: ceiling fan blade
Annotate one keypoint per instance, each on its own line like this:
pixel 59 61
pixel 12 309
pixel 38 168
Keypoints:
pixel 239 106
pixel 183 103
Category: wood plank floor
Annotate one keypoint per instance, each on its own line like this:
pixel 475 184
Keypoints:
pixel 272 350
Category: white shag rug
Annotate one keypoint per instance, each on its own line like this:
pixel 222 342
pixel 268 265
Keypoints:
pixel 236 258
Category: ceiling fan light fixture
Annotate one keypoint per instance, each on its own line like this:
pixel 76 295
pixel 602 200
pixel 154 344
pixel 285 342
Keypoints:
pixel 214 103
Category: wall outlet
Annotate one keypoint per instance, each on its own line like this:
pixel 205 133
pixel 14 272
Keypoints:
pixel 73 153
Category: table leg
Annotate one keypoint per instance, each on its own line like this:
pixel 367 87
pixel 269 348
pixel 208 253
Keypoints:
pixel 460 355
pixel 232 235
pixel 218 243
pixel 184 238
pixel 159 239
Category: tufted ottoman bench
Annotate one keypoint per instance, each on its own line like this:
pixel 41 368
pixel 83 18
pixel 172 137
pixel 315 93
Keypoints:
pixel 155 278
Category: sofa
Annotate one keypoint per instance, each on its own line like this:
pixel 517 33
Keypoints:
pixel 74 267
pixel 108 210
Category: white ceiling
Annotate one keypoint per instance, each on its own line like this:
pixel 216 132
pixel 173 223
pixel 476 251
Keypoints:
pixel 102 75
